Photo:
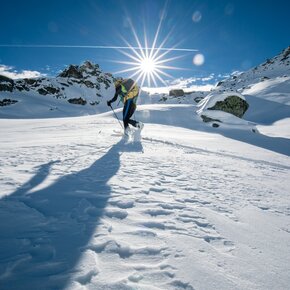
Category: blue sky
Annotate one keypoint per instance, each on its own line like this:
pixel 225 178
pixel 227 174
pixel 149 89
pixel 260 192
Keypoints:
pixel 231 35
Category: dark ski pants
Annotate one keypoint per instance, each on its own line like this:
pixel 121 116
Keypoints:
pixel 128 111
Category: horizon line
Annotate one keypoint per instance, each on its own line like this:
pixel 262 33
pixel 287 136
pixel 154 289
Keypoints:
pixel 96 47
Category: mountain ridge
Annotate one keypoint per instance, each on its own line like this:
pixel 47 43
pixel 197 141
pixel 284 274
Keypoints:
pixel 275 67
pixel 83 85
pixel 81 89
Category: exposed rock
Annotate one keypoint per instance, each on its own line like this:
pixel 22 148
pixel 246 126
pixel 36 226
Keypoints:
pixel 198 99
pixel 71 72
pixel 88 65
pixel 31 81
pixel 77 101
pixel 19 88
pixel 207 119
pixel 52 90
pixel 176 92
pixel 79 84
pixel 233 105
pixel 94 103
pixel 48 90
pixel 5 79
pixel 7 102
pixel 42 91
pixel 264 78
pixel 163 99
pixel 286 53
pixel 6 84
pixel 89 84
pixel 64 84
pixel 219 83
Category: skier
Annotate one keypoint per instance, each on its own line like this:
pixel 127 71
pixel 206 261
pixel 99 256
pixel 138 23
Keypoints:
pixel 128 92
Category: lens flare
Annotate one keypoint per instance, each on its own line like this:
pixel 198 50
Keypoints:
pixel 148 63
pixel 198 59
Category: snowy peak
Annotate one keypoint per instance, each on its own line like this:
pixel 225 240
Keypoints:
pixel 85 70
pixel 84 85
pixel 283 57
pixel 279 63
pixel 271 69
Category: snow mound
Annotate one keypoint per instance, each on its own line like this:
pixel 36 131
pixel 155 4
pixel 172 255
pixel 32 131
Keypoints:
pixel 226 108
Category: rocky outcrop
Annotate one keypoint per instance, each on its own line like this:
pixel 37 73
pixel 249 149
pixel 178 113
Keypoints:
pixel 176 93
pixel 81 72
pixel 71 72
pixel 233 105
pixel 211 108
pixel 6 84
pixel 48 90
pixel 207 119
pixel 81 84
pixel 7 102
pixel 77 101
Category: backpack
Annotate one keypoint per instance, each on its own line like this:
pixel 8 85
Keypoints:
pixel 128 90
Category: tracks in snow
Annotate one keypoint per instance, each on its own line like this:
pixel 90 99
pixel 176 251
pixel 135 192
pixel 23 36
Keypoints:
pixel 144 215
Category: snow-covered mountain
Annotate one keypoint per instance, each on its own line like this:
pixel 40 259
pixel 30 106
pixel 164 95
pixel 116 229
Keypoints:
pixel 186 206
pixel 78 90
pixel 83 90
pixel 269 80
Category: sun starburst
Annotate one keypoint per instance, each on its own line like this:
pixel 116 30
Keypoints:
pixel 148 63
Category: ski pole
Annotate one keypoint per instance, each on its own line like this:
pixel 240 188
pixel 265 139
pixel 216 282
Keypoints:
pixel 116 116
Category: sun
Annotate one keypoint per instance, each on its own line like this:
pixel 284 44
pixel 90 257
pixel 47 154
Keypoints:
pixel 147 63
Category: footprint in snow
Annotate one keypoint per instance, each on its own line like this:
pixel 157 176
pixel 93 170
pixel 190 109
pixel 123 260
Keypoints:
pixel 124 204
pixel 118 214
pixel 157 212
pixel 220 243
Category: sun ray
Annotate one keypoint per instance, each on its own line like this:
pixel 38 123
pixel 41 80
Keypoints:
pixel 161 47
pixel 170 67
pixel 153 78
pixel 163 73
pixel 166 51
pixel 162 16
pixel 127 62
pixel 135 49
pixel 136 37
pixel 127 70
pixel 146 43
pixel 140 76
pixel 169 59
pixel 143 80
pixel 129 55
pixel 139 71
pixel 150 62
pixel 160 78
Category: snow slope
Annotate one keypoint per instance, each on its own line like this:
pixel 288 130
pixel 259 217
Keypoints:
pixel 187 207
pixel 269 80
pixel 79 90
pixel 266 88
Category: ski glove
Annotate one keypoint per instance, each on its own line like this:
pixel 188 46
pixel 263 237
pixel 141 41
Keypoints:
pixel 109 103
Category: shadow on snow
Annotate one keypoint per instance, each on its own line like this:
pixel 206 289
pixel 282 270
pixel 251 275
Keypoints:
pixel 185 117
pixel 43 232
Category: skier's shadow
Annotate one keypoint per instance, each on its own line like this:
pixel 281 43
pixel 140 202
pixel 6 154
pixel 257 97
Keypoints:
pixel 42 233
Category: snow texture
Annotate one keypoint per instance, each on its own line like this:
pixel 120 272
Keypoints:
pixel 181 206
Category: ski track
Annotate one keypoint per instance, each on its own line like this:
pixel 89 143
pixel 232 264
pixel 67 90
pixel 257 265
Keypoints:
pixel 150 196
